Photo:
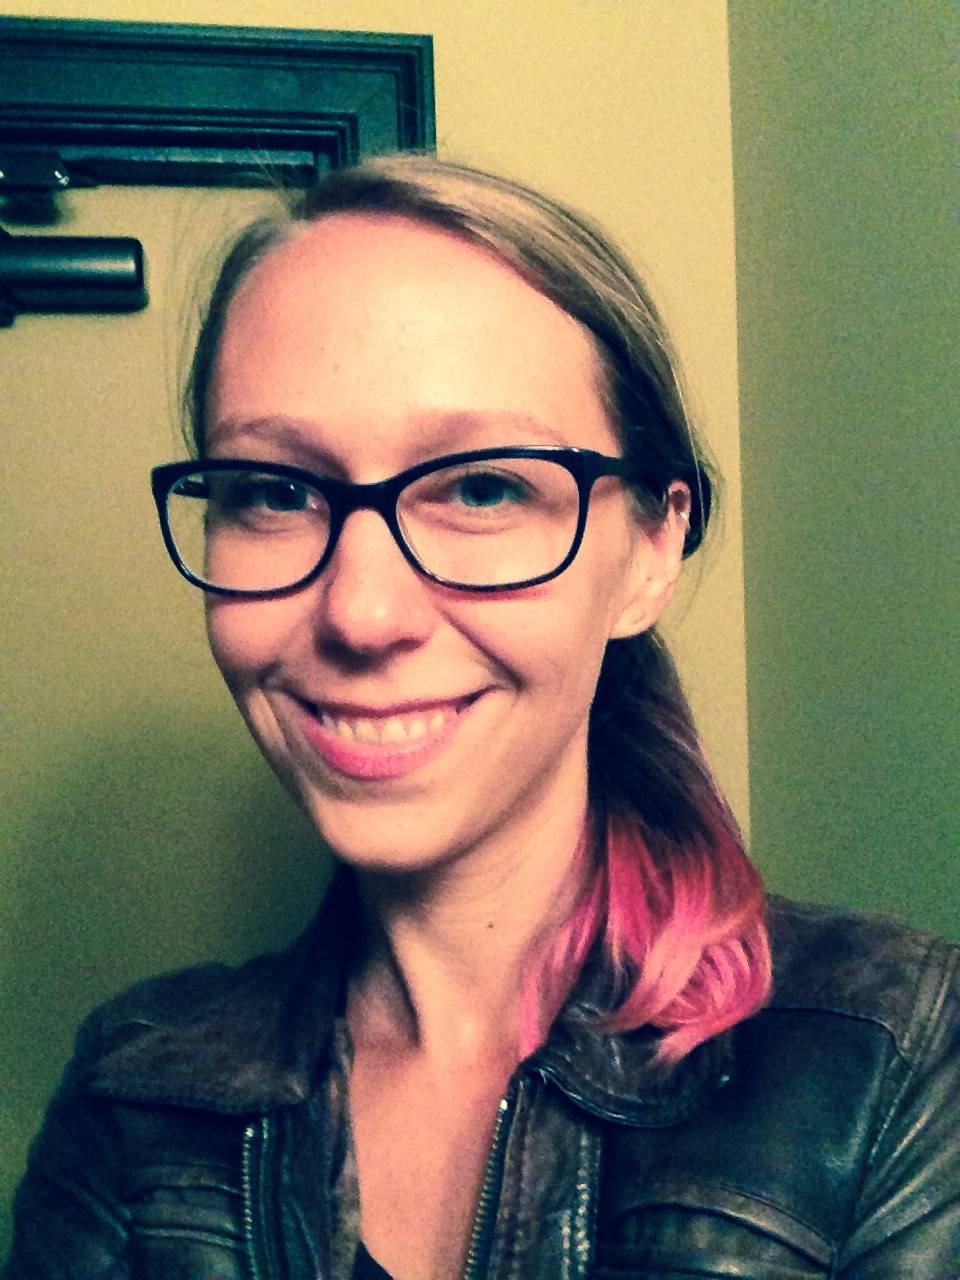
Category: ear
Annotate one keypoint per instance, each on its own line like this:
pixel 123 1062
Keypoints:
pixel 654 566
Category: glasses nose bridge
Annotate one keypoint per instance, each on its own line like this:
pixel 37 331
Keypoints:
pixel 380 496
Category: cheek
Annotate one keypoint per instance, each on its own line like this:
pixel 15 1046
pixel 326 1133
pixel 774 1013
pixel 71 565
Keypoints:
pixel 550 641
pixel 247 636
pixel 573 641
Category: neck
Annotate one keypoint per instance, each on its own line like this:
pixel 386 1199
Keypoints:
pixel 447 949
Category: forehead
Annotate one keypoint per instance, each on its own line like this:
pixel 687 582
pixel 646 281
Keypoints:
pixel 377 323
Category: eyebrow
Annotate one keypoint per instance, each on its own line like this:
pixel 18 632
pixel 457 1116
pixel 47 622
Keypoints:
pixel 430 435
pixel 294 436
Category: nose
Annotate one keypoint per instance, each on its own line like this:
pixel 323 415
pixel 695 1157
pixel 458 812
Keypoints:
pixel 371 600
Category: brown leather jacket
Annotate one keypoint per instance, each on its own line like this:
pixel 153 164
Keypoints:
pixel 192 1137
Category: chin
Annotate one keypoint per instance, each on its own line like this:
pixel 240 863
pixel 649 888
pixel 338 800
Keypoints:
pixel 357 837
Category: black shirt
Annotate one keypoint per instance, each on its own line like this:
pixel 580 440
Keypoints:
pixel 366 1268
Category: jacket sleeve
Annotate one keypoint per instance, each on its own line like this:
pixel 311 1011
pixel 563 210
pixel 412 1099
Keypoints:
pixel 69 1221
pixel 908 1219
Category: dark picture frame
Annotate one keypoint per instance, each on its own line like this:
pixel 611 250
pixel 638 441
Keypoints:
pixel 164 104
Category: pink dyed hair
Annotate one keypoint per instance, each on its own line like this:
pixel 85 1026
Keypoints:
pixel 684 937
pixel 671 899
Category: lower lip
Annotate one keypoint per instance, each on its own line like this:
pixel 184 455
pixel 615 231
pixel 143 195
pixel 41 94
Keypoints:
pixel 377 760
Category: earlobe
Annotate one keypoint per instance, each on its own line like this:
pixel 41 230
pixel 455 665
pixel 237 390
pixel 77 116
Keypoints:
pixel 655 567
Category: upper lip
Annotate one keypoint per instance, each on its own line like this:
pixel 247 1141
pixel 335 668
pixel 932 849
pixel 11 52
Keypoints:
pixel 358 711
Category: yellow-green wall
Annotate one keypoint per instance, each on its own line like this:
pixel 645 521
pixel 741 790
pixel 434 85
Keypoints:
pixel 140 830
pixel 844 118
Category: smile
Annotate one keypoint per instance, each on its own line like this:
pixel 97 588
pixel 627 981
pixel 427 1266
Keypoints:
pixel 378 745
pixel 392 730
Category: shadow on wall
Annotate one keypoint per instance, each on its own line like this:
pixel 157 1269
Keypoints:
pixel 152 850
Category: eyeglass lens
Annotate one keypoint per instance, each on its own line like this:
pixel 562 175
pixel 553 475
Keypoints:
pixel 480 523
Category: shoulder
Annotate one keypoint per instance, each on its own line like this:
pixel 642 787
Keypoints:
pixel 830 1145
pixel 269 996
pixel 864 967
pixel 174 1001
pixel 228 1039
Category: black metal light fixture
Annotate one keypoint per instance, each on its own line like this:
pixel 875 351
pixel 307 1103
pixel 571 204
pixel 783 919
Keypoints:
pixel 52 273
pixel 69 273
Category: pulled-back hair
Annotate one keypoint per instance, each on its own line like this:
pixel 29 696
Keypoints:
pixel 671 898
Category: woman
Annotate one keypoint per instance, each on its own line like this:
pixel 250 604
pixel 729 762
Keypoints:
pixel 443 485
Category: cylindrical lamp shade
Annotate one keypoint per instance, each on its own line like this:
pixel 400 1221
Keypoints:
pixel 72 273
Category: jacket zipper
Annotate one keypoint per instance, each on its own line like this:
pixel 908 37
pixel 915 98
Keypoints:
pixel 250 1136
pixel 479 1251
pixel 257 1135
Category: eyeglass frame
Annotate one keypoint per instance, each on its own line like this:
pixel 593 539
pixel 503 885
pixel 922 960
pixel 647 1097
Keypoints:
pixel 586 466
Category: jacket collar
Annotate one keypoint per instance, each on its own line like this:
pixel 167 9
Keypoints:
pixel 612 1076
pixel 254 1039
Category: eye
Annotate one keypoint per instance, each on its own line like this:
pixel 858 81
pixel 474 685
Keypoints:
pixel 480 488
pixel 487 489
pixel 249 495
pixel 491 497
pixel 264 493
pixel 258 502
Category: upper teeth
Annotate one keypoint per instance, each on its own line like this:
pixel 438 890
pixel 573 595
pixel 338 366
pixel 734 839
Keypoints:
pixel 393 729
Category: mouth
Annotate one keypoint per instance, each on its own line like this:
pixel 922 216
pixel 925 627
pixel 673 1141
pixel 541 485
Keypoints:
pixel 364 742
pixel 388 729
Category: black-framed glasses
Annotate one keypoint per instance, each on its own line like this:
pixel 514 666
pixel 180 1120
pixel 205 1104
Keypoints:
pixel 486 520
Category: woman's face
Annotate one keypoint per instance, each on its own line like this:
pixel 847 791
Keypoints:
pixel 417 723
